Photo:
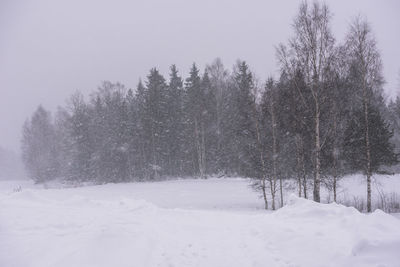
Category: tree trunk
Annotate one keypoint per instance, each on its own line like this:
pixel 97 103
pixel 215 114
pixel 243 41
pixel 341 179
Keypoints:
pixel 368 148
pixel 203 151
pixel 262 166
pixel 335 156
pixel 274 154
pixel 303 167
pixel 264 192
pixel 297 142
pixel 304 178
pixel 198 148
pixel 317 178
pixel 153 151
pixel 281 190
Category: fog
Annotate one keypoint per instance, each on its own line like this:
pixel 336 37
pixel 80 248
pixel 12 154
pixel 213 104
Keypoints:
pixel 49 49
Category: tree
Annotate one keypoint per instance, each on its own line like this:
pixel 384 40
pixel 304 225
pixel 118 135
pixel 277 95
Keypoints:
pixel 295 122
pixel 311 50
pixel 175 123
pixel 114 144
pixel 142 128
pixel 381 150
pixel 268 106
pixel 81 166
pixel 63 141
pixel 195 109
pixel 218 93
pixel 156 121
pixel 210 124
pixel 244 121
pixel 367 65
pixel 38 146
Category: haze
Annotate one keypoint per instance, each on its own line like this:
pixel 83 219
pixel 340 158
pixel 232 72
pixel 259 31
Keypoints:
pixel 49 49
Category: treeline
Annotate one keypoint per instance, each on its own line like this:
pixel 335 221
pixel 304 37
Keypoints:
pixel 325 116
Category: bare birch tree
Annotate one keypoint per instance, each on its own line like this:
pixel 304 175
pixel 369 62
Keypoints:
pixel 311 51
pixel 365 58
pixel 271 98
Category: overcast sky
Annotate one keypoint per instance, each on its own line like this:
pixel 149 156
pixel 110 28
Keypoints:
pixel 50 49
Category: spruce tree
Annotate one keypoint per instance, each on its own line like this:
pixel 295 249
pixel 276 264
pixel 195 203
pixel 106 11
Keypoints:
pixel 244 121
pixel 80 167
pixel 156 122
pixel 195 112
pixel 174 123
pixel 382 151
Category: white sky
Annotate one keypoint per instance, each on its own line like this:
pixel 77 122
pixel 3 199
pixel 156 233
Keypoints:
pixel 49 49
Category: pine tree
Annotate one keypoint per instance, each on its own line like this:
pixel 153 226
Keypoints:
pixel 219 83
pixel 156 121
pixel 195 110
pixel 133 137
pixel 210 124
pixel 174 123
pixel 142 126
pixel 381 150
pixel 244 121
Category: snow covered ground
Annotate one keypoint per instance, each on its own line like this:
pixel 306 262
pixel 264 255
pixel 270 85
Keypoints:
pixel 214 222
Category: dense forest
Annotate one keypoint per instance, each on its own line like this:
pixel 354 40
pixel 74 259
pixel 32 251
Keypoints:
pixel 324 116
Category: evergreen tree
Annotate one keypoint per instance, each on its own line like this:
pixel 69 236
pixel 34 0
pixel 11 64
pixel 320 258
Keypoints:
pixel 63 142
pixel 39 146
pixel 80 167
pixel 174 123
pixel 244 121
pixel 133 137
pixel 195 123
pixel 142 126
pixel 219 83
pixel 210 124
pixel 156 122
pixel 382 151
pixel 115 144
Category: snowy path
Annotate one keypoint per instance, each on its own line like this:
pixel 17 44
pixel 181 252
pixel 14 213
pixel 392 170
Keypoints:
pixel 186 223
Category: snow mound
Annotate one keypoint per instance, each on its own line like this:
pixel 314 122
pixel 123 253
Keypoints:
pixel 301 207
pixel 175 224
pixel 369 239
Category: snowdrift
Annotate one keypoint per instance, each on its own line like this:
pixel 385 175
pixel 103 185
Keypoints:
pixel 110 226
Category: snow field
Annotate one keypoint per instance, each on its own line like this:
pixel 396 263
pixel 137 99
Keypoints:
pixel 214 222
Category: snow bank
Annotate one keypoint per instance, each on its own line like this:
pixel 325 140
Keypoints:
pixel 187 223
pixel 354 238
